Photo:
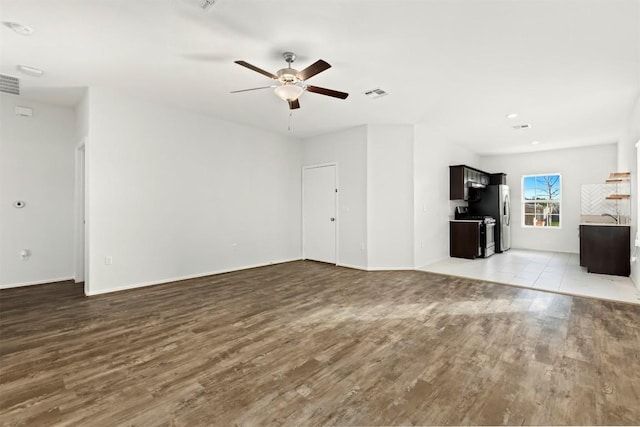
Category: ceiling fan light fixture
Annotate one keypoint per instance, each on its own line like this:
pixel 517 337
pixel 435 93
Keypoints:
pixel 289 92
pixel 288 76
pixel 293 82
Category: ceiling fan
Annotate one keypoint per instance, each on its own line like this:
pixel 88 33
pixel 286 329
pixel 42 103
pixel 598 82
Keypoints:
pixel 292 82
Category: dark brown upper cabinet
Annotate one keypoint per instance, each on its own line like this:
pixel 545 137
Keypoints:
pixel 462 177
pixel 497 179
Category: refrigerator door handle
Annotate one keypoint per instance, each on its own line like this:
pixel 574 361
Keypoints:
pixel 506 209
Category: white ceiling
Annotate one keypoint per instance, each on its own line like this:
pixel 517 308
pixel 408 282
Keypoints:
pixel 569 68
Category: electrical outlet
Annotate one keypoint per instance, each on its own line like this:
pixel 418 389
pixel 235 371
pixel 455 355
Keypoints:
pixel 108 260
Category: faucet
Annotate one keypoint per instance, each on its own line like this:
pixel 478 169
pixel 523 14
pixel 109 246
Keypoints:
pixel 617 219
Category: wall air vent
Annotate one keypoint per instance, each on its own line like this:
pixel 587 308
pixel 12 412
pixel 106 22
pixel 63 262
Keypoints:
pixel 376 93
pixel 9 84
pixel 524 126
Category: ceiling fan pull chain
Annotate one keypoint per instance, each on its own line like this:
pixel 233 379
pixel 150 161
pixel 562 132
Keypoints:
pixel 290 115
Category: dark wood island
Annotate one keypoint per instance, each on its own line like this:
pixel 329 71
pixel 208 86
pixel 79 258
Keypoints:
pixel 605 249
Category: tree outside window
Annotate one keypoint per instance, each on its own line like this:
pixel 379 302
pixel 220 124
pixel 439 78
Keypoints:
pixel 541 198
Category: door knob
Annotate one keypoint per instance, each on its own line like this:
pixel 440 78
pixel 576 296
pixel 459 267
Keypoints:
pixel 332 219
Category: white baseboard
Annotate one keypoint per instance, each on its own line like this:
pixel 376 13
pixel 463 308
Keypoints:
pixel 433 261
pixel 356 267
pixel 37 282
pixel 633 276
pixel 177 279
pixel 359 267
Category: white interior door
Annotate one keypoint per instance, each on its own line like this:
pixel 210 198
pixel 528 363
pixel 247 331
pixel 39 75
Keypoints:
pixel 319 213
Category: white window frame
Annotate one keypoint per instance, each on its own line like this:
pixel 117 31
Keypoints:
pixel 524 201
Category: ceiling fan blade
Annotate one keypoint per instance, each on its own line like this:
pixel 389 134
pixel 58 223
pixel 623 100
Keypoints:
pixel 247 90
pixel 313 69
pixel 328 92
pixel 259 70
pixel 294 104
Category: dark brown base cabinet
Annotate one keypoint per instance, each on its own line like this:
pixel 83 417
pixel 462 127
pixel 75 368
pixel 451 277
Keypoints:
pixel 605 249
pixel 464 239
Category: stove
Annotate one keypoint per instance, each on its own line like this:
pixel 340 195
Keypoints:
pixel 462 212
pixel 484 218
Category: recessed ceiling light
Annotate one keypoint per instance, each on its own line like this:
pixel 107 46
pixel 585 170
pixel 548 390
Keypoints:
pixel 512 115
pixel 30 71
pixel 23 30
pixel 535 142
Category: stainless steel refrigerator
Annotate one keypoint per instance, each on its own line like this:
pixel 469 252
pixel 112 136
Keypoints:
pixel 494 201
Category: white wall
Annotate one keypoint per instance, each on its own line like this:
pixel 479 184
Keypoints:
pixel 174 194
pixel 628 158
pixel 390 197
pixel 433 155
pixel 82 117
pixel 348 149
pixel 36 166
pixel 584 165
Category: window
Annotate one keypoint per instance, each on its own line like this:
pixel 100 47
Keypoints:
pixel 541 199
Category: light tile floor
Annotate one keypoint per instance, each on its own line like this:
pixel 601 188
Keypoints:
pixel 549 271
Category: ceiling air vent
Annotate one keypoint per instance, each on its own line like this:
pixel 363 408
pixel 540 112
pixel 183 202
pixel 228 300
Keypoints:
pixel 206 4
pixel 524 126
pixel 9 84
pixel 376 93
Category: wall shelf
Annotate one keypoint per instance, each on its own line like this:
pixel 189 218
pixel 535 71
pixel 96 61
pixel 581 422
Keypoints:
pixel 618 196
pixel 619 177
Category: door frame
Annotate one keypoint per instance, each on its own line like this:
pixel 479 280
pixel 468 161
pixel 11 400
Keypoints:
pixel 336 205
pixel 81 202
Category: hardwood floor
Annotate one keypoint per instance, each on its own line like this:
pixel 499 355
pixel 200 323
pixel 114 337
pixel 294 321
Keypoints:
pixel 305 343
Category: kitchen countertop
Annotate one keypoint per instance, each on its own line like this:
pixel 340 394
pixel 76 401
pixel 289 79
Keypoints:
pixel 465 220
pixel 608 224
